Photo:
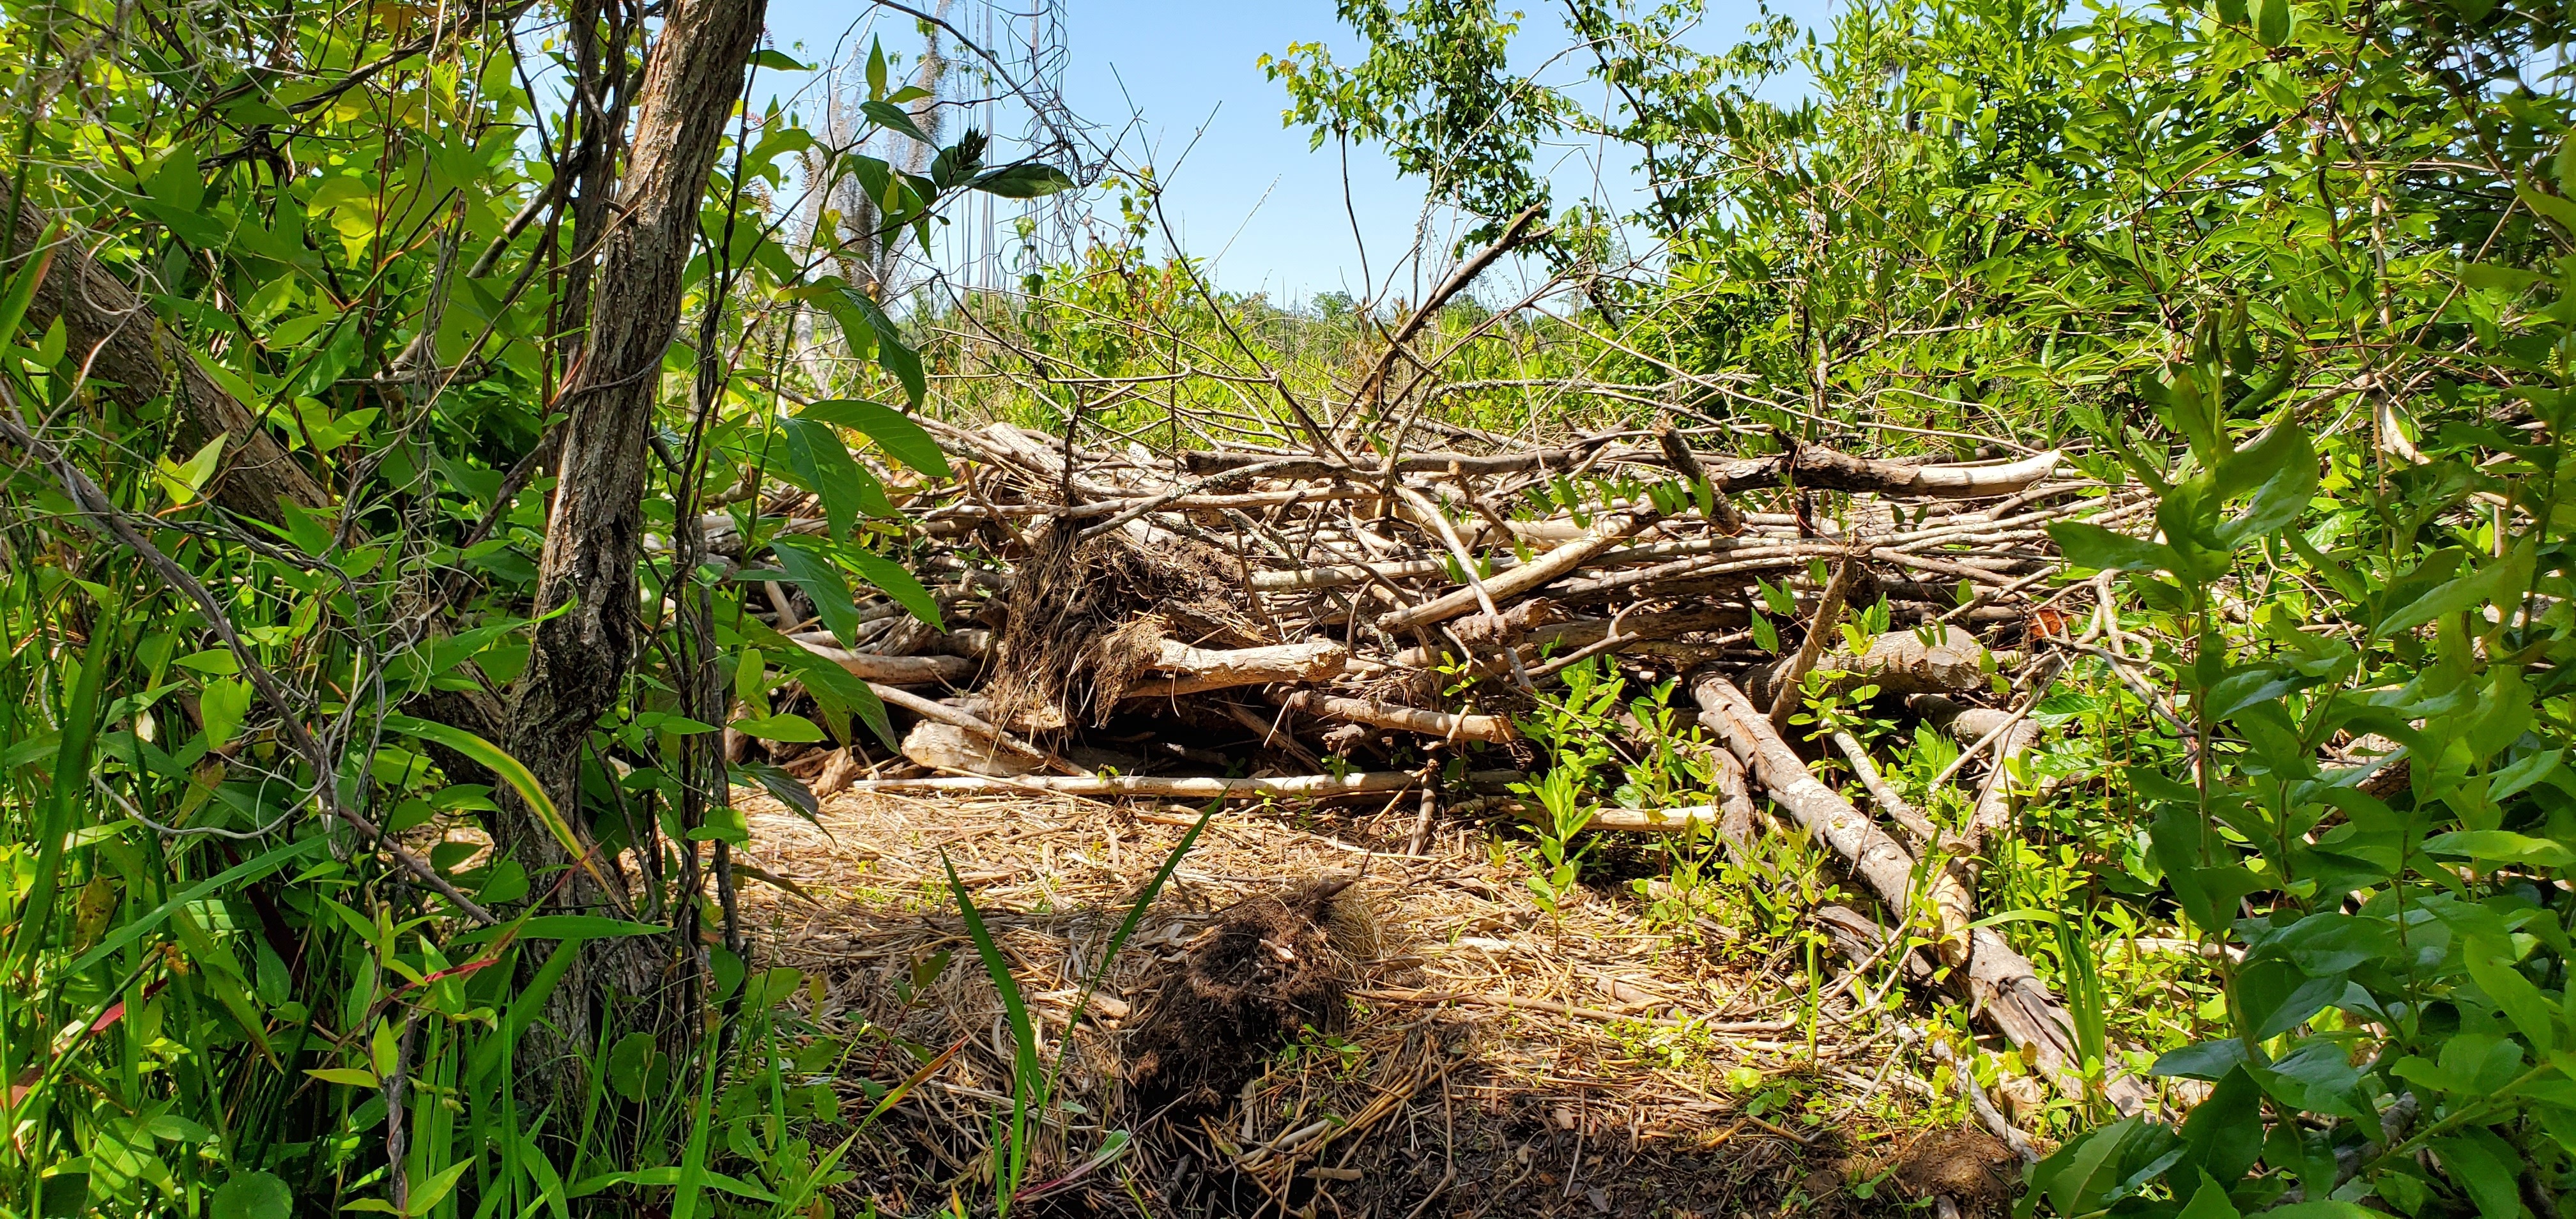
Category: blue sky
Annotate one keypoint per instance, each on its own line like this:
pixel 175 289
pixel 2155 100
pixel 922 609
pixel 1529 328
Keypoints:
pixel 1179 85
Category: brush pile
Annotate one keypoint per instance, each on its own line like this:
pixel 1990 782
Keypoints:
pixel 1343 622
pixel 1362 607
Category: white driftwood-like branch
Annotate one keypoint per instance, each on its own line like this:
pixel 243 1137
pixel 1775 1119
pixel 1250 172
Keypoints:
pixel 947 747
pixel 895 670
pixel 1192 670
pixel 1510 584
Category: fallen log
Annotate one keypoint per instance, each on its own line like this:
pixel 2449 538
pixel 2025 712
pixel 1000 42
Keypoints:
pixel 1862 941
pixel 1809 466
pixel 1736 814
pixel 947 747
pixel 2001 983
pixel 1579 633
pixel 2002 988
pixel 1194 670
pixel 1879 860
pixel 125 352
pixel 1000 742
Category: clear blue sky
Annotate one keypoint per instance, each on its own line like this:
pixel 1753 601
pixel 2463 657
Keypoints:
pixel 1178 84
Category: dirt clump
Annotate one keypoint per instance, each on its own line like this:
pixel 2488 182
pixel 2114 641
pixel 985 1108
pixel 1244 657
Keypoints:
pixel 1974 1168
pixel 1271 966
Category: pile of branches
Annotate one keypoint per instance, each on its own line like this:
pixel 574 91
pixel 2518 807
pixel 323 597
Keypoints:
pixel 1329 622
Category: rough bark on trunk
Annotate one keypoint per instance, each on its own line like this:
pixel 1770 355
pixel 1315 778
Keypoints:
pixel 586 586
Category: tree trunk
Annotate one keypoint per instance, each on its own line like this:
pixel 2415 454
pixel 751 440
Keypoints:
pixel 586 584
pixel 134 358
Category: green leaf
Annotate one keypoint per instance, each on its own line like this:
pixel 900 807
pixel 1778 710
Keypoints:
pixel 221 882
pixel 512 771
pixel 2490 963
pixel 348 1076
pixel 794 729
pixel 2210 1060
pixel 566 927
pixel 2210 1201
pixel 252 1195
pixel 2496 278
pixel 1765 635
pixel 1026 1073
pixel 838 694
pixel 2271 21
pixel 2500 582
pixel 2500 846
pixel 893 118
pixel 223 705
pixel 2327 1208
pixel 778 61
pixel 2280 469
pixel 2225 1131
pixel 2491 1180
pixel 1778 597
pixel 891 578
pixel 847 489
pixel 229 381
pixel 808 569
pixel 1026 180
pixel 2090 545
pixel 182 481
pixel 893 431
pixel 22 286
pixel 426 1195
pixel 899 359
pixel 630 1064
pixel 2554 207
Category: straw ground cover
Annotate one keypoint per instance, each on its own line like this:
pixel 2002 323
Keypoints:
pixel 1489 1058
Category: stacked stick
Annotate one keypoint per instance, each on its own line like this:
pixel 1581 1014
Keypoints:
pixel 1249 623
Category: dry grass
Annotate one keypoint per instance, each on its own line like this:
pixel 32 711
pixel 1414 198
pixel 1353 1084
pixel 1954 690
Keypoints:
pixel 1598 1065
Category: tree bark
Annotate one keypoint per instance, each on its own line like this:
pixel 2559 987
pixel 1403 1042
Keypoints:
pixel 593 541
pixel 586 584
pixel 133 358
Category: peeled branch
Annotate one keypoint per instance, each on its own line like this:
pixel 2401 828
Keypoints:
pixel 1306 787
pixel 1192 670
pixel 1879 860
pixel 895 670
pixel 1511 584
